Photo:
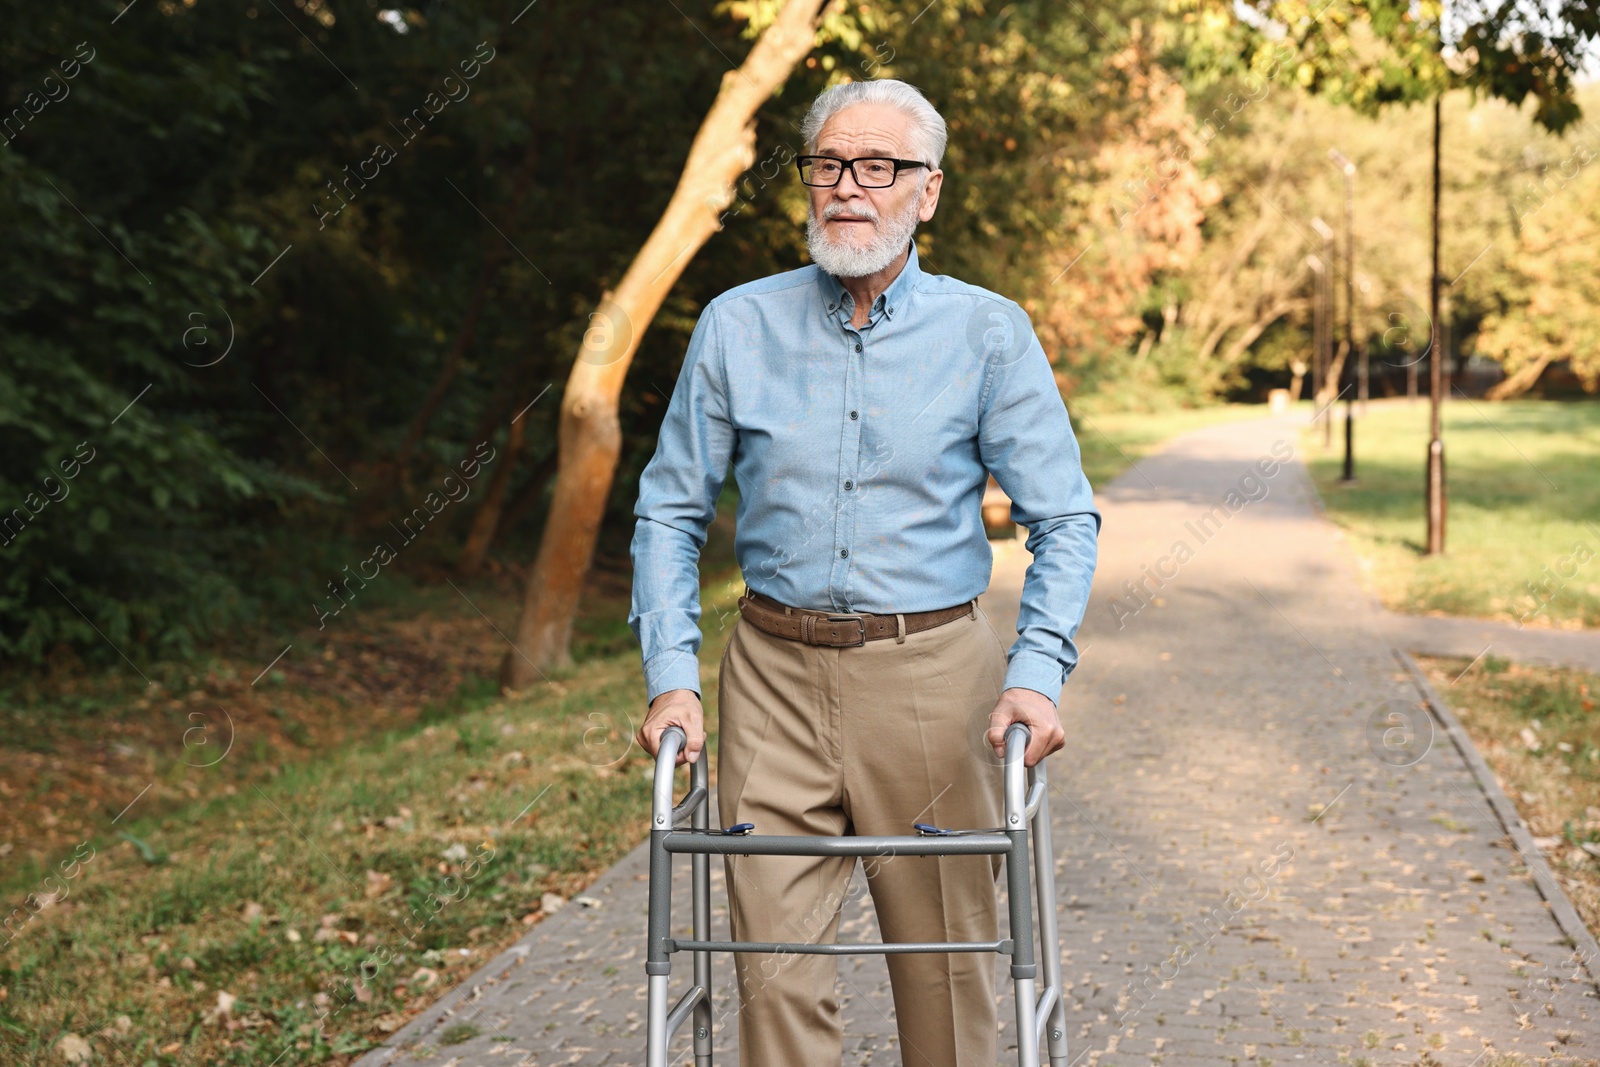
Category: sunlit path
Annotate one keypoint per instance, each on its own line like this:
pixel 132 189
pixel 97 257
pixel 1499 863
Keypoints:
pixel 1247 873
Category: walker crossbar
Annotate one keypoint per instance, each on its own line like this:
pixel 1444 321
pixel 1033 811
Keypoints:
pixel 794 845
pixel 812 948
pixel 1040 1017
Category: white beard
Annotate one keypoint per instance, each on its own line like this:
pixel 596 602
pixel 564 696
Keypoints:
pixel 842 260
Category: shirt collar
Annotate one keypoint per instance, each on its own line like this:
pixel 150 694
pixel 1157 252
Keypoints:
pixel 836 298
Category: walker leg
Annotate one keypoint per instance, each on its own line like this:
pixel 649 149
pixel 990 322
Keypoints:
pixel 1023 968
pixel 700 819
pixel 1049 938
pixel 658 963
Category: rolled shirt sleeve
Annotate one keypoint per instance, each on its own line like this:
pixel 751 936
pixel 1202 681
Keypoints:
pixel 678 493
pixel 1025 440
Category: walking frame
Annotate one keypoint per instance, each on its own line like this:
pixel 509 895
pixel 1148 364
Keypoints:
pixel 1039 1017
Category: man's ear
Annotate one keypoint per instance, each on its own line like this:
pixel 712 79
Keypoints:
pixel 930 195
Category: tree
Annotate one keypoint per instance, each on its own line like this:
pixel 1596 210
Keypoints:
pixel 1550 311
pixel 1372 53
pixel 590 435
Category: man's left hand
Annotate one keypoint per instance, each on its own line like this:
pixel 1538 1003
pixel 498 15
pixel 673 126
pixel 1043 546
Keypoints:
pixel 1037 713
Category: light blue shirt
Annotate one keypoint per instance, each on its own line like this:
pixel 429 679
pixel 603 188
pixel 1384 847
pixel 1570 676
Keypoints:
pixel 861 458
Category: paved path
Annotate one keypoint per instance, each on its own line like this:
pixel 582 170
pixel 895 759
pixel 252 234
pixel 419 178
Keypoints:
pixel 1433 635
pixel 1222 770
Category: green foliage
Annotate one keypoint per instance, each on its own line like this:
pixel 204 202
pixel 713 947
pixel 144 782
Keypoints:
pixel 224 321
pixel 266 276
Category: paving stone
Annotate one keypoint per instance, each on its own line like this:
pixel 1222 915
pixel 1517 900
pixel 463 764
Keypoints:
pixel 1242 878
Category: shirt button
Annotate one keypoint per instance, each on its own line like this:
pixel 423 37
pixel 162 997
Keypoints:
pixel 832 306
pixel 849 485
pixel 852 414
pixel 858 348
pixel 844 553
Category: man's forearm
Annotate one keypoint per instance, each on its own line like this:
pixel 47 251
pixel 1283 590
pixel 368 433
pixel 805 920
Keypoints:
pixel 1055 596
pixel 665 613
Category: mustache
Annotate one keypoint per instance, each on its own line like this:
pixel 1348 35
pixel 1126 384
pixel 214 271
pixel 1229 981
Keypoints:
pixel 833 211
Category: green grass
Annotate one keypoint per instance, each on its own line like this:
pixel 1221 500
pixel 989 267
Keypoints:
pixel 1113 441
pixel 1523 486
pixel 422 849
pixel 1536 728
pixel 349 860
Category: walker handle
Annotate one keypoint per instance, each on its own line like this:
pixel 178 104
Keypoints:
pixel 673 740
pixel 1016 780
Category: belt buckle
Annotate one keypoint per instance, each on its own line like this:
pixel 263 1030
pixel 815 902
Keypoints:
pixel 859 622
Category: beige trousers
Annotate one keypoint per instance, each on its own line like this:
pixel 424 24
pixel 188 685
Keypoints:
pixel 864 740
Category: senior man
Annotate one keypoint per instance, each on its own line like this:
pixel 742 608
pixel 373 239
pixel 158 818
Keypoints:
pixel 862 404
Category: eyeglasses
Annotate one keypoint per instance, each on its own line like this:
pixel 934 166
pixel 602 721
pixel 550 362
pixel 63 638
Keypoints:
pixel 870 172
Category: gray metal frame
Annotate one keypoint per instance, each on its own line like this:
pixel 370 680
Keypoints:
pixel 1043 1015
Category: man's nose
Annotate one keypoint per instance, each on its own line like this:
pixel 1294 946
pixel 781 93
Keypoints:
pixel 854 188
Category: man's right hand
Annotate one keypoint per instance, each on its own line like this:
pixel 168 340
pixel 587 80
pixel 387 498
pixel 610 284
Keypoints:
pixel 675 707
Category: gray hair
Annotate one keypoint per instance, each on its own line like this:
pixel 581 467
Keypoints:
pixel 928 133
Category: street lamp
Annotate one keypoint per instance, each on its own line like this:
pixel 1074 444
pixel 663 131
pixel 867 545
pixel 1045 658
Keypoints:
pixel 1434 501
pixel 1317 315
pixel 1348 169
pixel 1325 341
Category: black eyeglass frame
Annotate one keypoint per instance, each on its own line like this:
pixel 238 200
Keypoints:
pixel 850 165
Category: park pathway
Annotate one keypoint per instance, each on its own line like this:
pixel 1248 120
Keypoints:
pixel 1255 866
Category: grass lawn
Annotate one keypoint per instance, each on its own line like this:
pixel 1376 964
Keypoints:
pixel 1523 529
pixel 1537 729
pixel 223 868
pixel 323 899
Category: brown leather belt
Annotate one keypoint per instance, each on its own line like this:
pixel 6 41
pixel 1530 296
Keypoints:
pixel 841 629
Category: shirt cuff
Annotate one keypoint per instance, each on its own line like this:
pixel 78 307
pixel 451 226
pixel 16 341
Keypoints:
pixel 670 670
pixel 1036 671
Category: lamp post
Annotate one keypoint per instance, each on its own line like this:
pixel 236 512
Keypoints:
pixel 1435 502
pixel 1318 315
pixel 1348 169
pixel 1326 280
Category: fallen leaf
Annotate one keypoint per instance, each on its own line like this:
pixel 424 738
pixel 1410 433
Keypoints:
pixel 74 1049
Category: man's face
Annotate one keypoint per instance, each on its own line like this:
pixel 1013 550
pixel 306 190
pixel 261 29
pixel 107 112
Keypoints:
pixel 851 220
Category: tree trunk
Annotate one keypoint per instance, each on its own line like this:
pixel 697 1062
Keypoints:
pixel 1209 346
pixel 452 360
pixel 1297 371
pixel 590 437
pixel 1145 344
pixel 526 499
pixel 495 256
pixel 1271 315
pixel 1332 385
pixel 1520 382
pixel 487 517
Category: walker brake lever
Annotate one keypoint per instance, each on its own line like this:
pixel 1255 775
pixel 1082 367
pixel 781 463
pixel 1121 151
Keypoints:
pixel 929 830
pixel 738 829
